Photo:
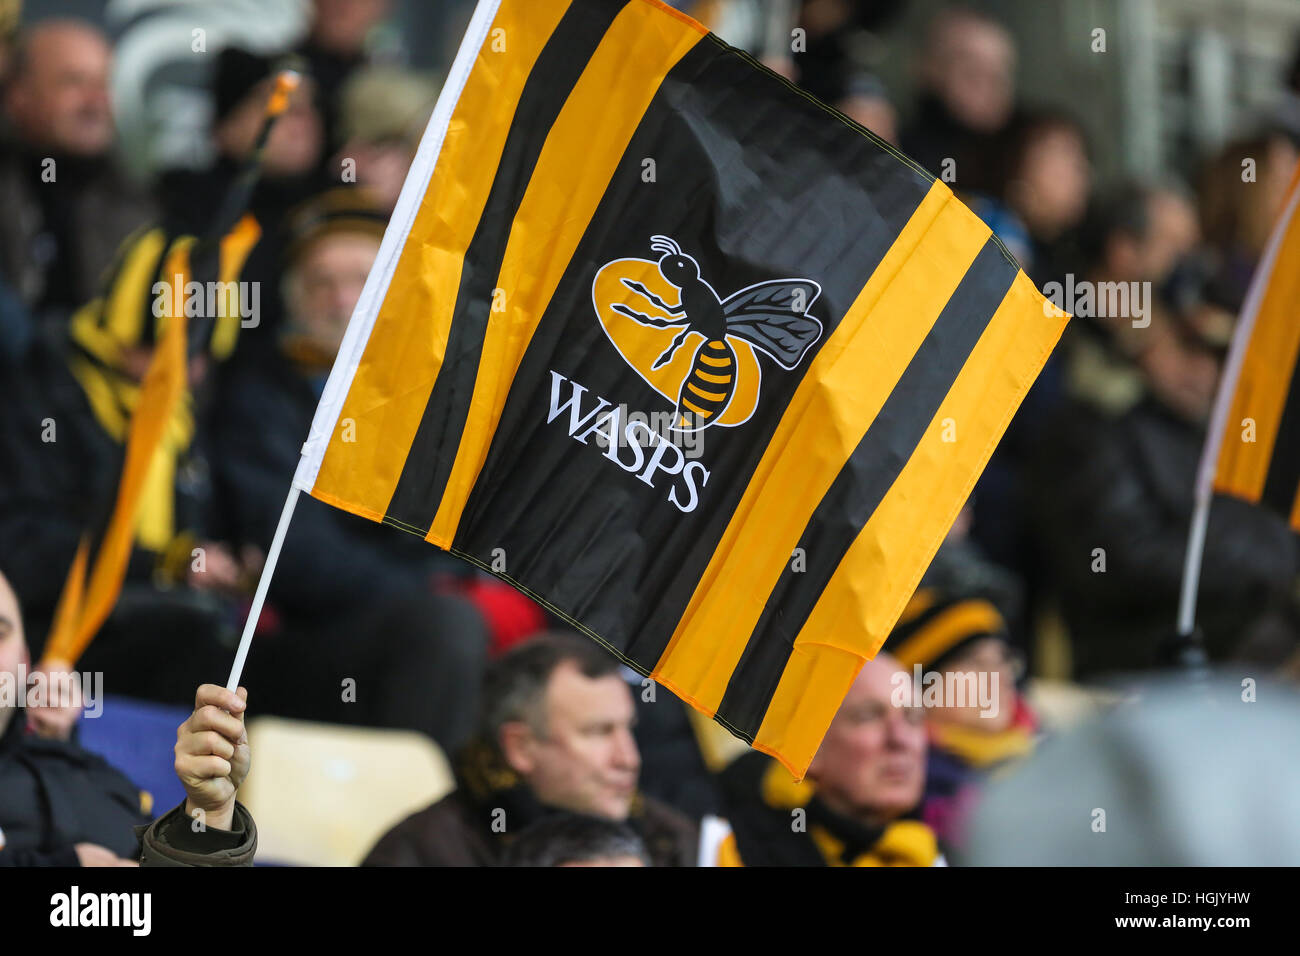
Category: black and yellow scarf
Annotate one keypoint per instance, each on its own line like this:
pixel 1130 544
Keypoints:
pixel 761 797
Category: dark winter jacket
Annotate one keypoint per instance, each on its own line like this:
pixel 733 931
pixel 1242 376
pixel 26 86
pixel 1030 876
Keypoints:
pixel 58 236
pixel 54 795
pixel 1116 493
pixel 172 840
pixel 473 824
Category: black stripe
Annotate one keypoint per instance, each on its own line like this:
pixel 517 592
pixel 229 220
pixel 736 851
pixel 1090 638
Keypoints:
pixel 863 482
pixel 1283 477
pixel 759 182
pixel 433 452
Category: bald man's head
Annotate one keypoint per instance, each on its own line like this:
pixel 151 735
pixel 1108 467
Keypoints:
pixel 57 96
pixel 871 764
pixel 969 64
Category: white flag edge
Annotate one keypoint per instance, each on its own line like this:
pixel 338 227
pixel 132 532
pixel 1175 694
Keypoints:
pixel 375 289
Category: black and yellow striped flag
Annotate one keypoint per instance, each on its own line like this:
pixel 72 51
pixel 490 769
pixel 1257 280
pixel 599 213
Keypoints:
pixel 1257 416
pixel 679 351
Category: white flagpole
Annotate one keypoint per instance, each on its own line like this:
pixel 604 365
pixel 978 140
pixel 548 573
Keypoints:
pixel 263 584
pixel 1219 420
pixel 1192 566
pixel 366 311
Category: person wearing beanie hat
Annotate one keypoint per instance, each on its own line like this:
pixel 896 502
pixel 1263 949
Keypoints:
pixel 382 115
pixel 290 171
pixel 964 669
pixel 332 242
pixel 241 85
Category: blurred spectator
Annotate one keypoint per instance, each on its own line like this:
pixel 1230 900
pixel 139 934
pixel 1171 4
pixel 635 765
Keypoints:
pixel 290 174
pixel 67 207
pixel 64 427
pixel 960 638
pixel 1113 496
pixel 571 839
pixel 834 32
pixel 335 49
pixel 861 796
pixel 62 806
pixel 673 768
pixel 1046 181
pixel 1040 193
pixel 967 80
pixel 1136 237
pixel 1242 194
pixel 382 116
pixel 1188 774
pixel 556 734
pixel 349 598
pixel 865 101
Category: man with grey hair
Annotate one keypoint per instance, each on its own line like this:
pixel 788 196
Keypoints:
pixel 555 735
pixel 966 73
pixel 67 206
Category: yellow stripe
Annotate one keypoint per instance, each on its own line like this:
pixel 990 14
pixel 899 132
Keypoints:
pixel 695 408
pixel 707 396
pixel 880 571
pixel 794 719
pixel 414 320
pixel 949 628
pixel 847 382
pixel 567 185
pixel 124 308
pixel 710 377
pixel 724 362
pixel 1265 379
pixel 164 386
pixel 234 251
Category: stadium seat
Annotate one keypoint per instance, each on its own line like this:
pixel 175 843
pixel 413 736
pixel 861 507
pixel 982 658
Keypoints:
pixel 323 794
pixel 137 737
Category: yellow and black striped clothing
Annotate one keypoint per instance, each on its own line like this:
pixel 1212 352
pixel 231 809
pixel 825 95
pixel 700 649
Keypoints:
pixel 753 579
pixel 762 800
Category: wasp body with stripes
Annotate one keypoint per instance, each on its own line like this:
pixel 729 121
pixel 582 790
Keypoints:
pixel 771 316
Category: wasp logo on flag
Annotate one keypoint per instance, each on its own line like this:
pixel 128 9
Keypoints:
pixel 717 381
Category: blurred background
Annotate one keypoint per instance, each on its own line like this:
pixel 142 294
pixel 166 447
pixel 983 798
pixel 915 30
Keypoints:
pixel 1178 78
